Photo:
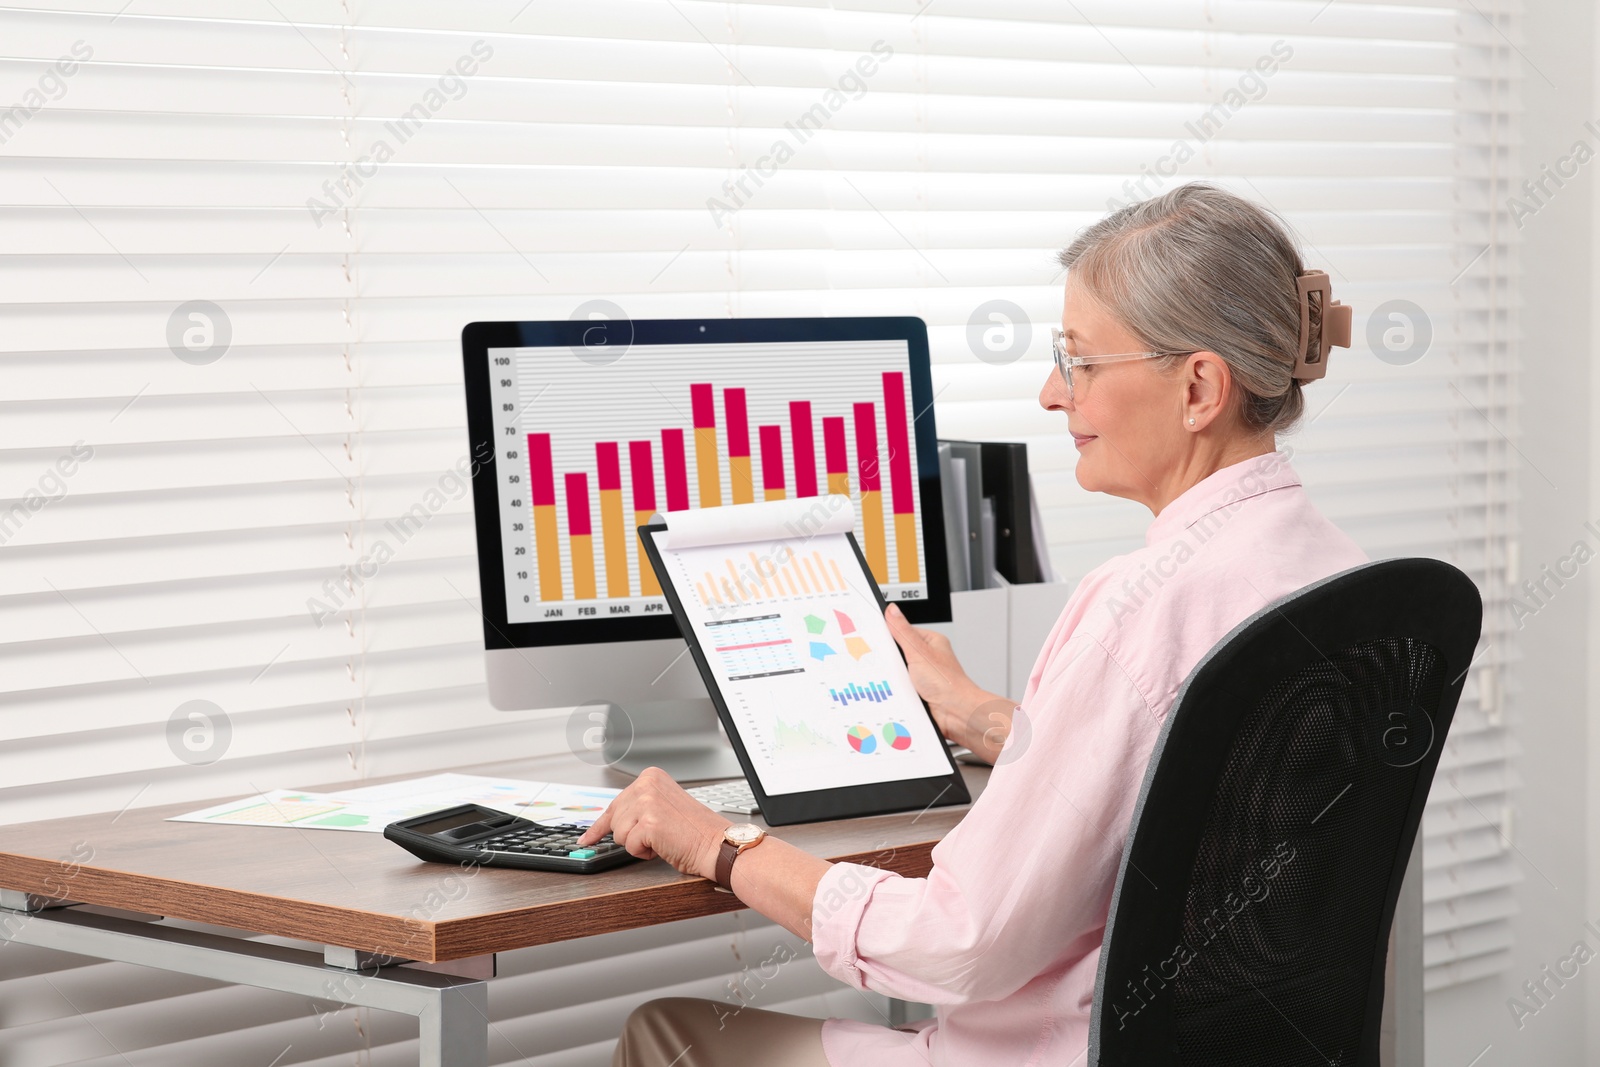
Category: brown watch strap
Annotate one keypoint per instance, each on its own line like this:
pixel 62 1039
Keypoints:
pixel 725 857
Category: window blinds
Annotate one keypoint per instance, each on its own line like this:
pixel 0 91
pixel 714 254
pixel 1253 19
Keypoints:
pixel 241 240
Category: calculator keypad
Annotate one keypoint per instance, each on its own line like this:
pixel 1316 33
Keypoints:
pixel 500 839
pixel 536 840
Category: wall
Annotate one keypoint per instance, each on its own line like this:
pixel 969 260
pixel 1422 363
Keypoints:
pixel 1589 348
pixel 1548 704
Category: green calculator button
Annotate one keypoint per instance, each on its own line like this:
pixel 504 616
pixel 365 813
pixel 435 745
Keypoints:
pixel 581 853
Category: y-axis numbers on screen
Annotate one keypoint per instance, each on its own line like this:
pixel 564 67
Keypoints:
pixel 503 374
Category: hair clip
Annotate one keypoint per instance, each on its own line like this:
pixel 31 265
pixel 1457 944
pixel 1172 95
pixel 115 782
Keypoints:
pixel 1316 294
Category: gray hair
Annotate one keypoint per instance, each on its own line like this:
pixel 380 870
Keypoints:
pixel 1201 268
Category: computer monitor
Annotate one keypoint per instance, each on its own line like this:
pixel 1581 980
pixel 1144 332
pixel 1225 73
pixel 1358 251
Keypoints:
pixel 581 429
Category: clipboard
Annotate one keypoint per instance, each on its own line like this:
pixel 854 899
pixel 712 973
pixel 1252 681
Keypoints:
pixel 792 645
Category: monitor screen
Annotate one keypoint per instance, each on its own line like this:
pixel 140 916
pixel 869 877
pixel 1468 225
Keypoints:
pixel 597 426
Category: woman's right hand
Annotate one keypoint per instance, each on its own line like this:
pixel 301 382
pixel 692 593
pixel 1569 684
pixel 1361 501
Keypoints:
pixel 965 713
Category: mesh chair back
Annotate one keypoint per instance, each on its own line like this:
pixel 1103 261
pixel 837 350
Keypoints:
pixel 1250 922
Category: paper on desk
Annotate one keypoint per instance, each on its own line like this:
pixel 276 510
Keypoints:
pixel 371 808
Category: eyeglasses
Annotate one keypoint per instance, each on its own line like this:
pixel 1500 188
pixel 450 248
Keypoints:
pixel 1065 362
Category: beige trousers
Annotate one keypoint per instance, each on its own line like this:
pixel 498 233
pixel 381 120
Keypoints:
pixel 691 1032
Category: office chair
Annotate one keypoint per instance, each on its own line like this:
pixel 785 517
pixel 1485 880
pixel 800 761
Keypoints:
pixel 1250 922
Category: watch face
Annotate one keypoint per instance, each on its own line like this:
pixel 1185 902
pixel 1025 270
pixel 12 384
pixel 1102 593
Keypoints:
pixel 742 834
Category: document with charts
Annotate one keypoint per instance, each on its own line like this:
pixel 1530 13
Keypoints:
pixel 370 808
pixel 790 629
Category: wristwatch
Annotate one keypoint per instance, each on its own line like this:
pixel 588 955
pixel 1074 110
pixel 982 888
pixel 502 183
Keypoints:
pixel 735 839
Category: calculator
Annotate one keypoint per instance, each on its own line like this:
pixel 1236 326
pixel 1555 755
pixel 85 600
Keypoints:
pixel 471 833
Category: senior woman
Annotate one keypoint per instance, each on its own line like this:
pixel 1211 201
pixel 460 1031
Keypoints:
pixel 1196 294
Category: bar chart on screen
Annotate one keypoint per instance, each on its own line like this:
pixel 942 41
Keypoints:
pixel 590 452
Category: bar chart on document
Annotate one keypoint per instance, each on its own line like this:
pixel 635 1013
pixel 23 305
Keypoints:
pixel 589 449
pixel 806 663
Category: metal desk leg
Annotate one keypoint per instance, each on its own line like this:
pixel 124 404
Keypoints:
pixel 452 1012
pixel 454 1028
pixel 1401 1040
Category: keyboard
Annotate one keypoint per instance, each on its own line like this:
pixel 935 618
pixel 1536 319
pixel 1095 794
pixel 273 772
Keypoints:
pixel 733 796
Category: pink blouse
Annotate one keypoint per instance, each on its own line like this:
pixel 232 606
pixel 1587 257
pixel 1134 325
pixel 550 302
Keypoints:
pixel 1003 935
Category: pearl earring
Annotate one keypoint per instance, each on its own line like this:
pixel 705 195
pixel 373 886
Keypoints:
pixel 1191 420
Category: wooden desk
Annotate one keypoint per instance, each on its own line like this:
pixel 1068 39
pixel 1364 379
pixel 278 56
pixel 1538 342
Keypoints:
pixel 368 902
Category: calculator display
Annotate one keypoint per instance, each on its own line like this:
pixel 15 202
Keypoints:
pixel 439 826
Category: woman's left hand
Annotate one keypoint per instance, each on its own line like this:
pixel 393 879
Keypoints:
pixel 655 817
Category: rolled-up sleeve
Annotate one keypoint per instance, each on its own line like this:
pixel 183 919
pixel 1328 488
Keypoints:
pixel 1026 877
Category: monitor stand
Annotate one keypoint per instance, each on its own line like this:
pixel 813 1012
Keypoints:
pixel 679 736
